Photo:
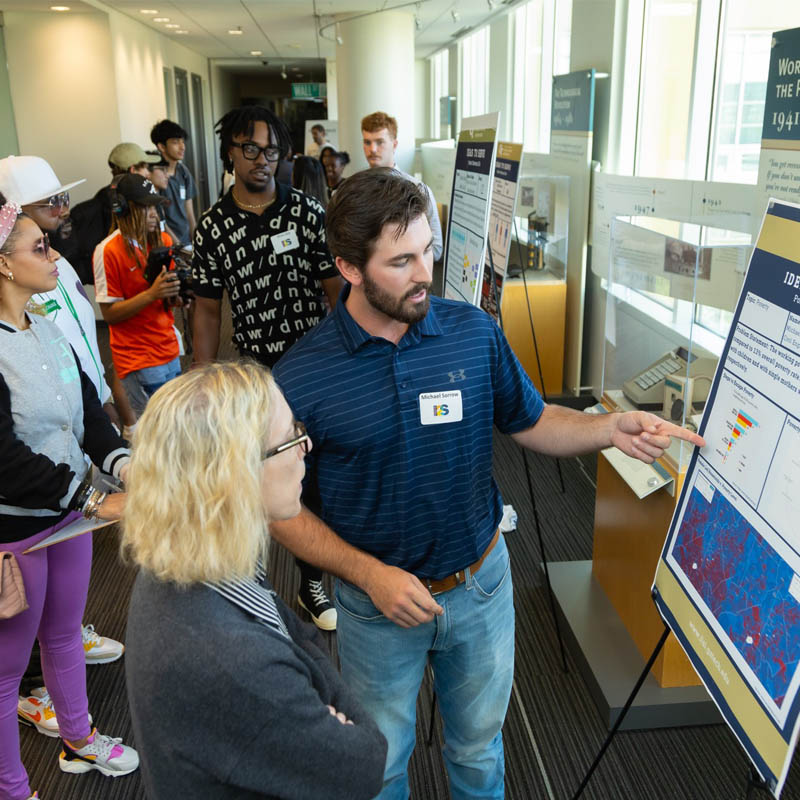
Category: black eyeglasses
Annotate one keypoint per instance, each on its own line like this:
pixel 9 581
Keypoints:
pixel 251 151
pixel 54 203
pixel 302 439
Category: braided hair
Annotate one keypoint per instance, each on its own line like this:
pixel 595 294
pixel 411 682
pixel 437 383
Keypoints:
pixel 241 122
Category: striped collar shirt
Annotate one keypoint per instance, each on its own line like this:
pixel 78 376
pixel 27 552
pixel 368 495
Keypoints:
pixel 254 598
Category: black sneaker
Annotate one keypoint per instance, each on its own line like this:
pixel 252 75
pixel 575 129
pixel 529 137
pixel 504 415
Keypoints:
pixel 313 599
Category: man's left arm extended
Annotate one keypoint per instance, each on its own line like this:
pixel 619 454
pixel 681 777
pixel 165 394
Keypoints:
pixel 564 432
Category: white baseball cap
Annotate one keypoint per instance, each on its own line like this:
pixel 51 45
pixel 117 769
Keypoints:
pixel 26 179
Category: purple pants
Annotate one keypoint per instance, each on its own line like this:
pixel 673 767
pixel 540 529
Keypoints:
pixel 56 583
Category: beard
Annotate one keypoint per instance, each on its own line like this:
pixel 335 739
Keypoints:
pixel 397 308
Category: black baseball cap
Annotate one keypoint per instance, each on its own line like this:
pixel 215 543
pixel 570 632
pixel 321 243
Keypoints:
pixel 136 189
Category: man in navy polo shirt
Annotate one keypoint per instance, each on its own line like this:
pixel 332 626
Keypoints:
pixel 399 392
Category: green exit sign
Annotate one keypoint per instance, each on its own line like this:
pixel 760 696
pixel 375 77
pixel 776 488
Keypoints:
pixel 309 90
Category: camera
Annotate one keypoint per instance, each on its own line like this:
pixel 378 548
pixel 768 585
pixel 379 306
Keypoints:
pixel 161 257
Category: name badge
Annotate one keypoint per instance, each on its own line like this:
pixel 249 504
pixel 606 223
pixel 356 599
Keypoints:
pixel 436 408
pixel 183 192
pixel 281 242
pixel 51 306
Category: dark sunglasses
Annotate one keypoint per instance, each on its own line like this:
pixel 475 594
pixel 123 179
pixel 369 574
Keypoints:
pixel 56 202
pixel 251 151
pixel 301 439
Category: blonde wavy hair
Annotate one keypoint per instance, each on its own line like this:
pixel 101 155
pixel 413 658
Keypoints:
pixel 195 510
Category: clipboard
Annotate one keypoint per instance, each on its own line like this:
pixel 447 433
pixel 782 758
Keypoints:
pixel 76 528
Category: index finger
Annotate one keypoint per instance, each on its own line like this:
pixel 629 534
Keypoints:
pixel 670 429
pixel 424 599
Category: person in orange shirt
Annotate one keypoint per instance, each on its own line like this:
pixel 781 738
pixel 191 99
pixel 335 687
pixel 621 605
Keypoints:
pixel 144 340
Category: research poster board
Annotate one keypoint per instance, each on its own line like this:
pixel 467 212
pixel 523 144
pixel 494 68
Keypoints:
pixel 331 132
pixel 728 581
pixel 469 207
pixel 501 221
pixel 779 163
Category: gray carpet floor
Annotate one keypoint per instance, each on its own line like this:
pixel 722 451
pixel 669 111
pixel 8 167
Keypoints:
pixel 552 730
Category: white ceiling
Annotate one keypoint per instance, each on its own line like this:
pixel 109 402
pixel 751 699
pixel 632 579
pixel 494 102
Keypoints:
pixel 284 29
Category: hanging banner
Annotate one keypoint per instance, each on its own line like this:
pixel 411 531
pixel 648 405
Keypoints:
pixel 501 220
pixel 728 581
pixel 469 207
pixel 779 164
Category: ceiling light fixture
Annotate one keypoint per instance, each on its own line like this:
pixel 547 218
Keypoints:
pixel 172 25
pixel 256 53
pixel 492 4
pixel 182 31
pixel 59 8
pixel 160 19
pixel 237 31
pixel 417 22
pixel 148 11
pixel 455 15
pixel 283 73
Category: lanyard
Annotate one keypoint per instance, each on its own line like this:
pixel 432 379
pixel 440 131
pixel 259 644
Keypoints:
pixel 71 308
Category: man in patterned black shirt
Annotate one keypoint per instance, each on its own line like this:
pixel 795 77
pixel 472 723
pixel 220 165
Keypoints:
pixel 264 243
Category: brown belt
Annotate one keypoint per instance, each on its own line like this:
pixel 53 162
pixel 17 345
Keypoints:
pixel 451 581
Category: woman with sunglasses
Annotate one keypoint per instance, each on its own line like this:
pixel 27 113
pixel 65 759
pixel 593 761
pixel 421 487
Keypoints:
pixel 50 418
pixel 144 341
pixel 231 695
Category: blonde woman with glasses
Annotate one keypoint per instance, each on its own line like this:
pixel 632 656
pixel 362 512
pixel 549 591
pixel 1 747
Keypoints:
pixel 231 695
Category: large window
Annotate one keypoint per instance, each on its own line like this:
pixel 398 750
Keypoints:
pixel 541 30
pixel 475 73
pixel 440 87
pixel 702 83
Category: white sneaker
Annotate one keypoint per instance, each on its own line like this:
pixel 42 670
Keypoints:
pixel 100 649
pixel 37 710
pixel 108 756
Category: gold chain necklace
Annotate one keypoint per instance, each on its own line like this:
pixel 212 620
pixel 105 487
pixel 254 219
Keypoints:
pixel 255 206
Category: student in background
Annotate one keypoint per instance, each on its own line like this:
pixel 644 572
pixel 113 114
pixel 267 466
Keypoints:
pixel 309 177
pixel 170 139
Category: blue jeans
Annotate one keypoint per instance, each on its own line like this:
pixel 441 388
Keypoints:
pixel 471 650
pixel 141 384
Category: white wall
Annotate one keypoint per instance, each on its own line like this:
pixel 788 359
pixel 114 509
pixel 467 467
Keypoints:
pixel 422 88
pixel 333 88
pixel 500 54
pixel 64 93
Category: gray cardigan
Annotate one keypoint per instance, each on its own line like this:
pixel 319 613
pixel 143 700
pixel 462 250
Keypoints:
pixel 224 707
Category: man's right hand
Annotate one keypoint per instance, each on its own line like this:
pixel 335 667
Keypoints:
pixel 401 597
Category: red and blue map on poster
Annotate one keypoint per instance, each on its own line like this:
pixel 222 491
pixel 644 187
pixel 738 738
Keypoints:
pixel 728 582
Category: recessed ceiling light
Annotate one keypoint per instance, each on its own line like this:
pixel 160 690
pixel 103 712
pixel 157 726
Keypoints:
pixel 181 31
pixel 59 8
pixel 236 31
pixel 256 53
pixel 148 11
pixel 160 19
pixel 172 25
pixel 295 69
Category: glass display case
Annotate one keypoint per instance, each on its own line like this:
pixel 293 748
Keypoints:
pixel 541 226
pixel 671 290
